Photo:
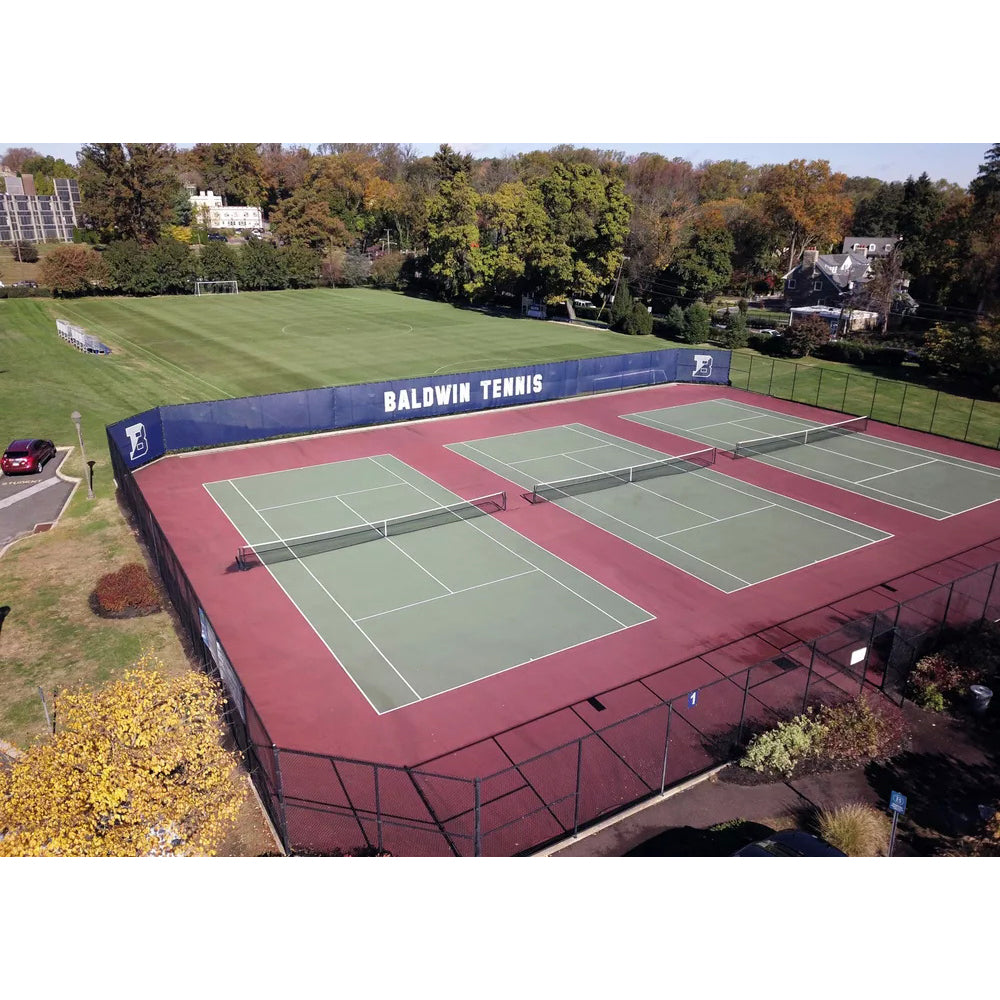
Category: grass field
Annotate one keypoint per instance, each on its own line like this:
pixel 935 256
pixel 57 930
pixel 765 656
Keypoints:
pixel 169 350
pixel 182 348
pixel 837 386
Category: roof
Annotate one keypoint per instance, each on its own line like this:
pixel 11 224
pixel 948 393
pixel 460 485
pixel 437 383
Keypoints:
pixel 867 241
pixel 832 266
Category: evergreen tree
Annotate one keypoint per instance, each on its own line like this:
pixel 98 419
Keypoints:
pixel 621 308
pixel 697 322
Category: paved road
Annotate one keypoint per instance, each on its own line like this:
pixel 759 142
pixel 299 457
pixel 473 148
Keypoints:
pixel 27 501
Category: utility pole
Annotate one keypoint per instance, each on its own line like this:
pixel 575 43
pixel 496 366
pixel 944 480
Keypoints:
pixel 614 291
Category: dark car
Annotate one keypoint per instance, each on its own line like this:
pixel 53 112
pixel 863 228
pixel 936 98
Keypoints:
pixel 790 844
pixel 217 236
pixel 26 455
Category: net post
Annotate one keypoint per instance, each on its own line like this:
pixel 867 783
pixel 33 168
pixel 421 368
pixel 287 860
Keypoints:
pixel 378 813
pixel 576 796
pixel 478 831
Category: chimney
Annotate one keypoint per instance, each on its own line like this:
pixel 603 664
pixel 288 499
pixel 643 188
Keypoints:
pixel 809 257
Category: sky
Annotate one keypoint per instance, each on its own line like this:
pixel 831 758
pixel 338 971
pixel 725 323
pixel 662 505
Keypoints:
pixel 956 162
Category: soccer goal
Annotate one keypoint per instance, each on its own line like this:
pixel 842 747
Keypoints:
pixel 216 287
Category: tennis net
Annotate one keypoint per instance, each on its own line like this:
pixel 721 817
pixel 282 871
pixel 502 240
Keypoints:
pixel 633 474
pixel 810 435
pixel 284 549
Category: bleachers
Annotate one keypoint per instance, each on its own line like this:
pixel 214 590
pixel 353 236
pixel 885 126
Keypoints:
pixel 80 339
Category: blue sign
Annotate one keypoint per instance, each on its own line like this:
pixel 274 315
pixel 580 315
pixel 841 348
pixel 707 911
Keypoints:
pixel 139 439
pixel 897 802
pixel 692 699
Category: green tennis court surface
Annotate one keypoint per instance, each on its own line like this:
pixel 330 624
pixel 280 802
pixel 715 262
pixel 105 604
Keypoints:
pixel 412 613
pixel 727 533
pixel 920 481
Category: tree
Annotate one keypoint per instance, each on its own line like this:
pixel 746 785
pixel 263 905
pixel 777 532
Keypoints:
pixel 736 333
pixel 71 269
pixel 454 240
pixel 639 322
pixel 676 329
pixel 703 267
pixel 230 169
pixel 130 269
pixel 300 264
pixel 16 156
pixel 805 335
pixel 218 262
pixel 386 270
pixel 807 203
pixel 260 266
pixel 25 252
pixel 174 265
pixel 448 164
pixel 697 323
pixel 621 308
pixel 137 768
pixel 128 190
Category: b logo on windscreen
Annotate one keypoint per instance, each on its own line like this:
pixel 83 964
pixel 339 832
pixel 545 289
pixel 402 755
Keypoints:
pixel 137 440
pixel 702 366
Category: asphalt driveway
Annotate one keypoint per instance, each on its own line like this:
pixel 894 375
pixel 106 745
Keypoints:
pixel 29 502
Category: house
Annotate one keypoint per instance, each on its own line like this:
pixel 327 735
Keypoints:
pixel 871 246
pixel 209 210
pixel 838 280
pixel 843 321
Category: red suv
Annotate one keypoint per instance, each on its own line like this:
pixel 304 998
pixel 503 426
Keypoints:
pixel 26 455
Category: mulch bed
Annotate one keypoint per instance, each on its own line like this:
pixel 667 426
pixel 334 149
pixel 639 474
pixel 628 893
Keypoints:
pixel 140 612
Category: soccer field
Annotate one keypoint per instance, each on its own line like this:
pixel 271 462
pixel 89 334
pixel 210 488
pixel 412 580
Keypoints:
pixel 174 349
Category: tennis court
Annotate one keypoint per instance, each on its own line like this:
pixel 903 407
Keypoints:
pixel 840 454
pixel 414 590
pixel 725 532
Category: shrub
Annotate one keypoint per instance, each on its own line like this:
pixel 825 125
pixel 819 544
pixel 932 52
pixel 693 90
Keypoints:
pixel 860 731
pixel 126 593
pixel 697 323
pixel 25 252
pixel 782 748
pixel 858 830
pixel 938 681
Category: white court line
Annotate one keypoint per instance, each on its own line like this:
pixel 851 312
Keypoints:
pixel 607 614
pixel 403 552
pixel 892 472
pixel 295 605
pixel 718 520
pixel 334 496
pixel 793 467
pixel 558 454
pixel 430 600
pixel 793 510
pixel 343 610
pixel 874 489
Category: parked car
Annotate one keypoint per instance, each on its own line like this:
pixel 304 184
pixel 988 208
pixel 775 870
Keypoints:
pixel 218 237
pixel 25 284
pixel 26 455
pixel 790 844
pixel 583 304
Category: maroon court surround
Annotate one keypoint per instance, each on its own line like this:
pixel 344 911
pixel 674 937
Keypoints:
pixel 307 702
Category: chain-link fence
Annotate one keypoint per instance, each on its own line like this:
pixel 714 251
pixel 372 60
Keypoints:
pixel 324 804
pixel 903 404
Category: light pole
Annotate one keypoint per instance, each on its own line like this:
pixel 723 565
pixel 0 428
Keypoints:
pixel 75 417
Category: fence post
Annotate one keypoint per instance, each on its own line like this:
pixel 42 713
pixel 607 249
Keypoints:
pixel 770 378
pixel 843 402
pixel 937 397
pixel 280 792
pixel 378 813
pixel 947 606
pixel 478 832
pixel 795 375
pixel 812 660
pixel 989 592
pixel 871 405
pixel 743 709
pixel 968 422
pixel 576 796
pixel 819 386
pixel 666 739
pixel 902 405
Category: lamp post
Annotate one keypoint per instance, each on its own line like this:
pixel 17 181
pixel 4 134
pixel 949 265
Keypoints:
pixel 75 417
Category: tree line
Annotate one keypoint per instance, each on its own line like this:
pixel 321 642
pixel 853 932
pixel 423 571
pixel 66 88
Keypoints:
pixel 567 221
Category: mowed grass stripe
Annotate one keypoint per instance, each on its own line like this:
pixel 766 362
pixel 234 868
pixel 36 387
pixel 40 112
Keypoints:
pixel 277 341
pixel 173 349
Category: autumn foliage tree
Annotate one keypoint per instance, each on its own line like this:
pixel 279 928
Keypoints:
pixel 73 269
pixel 136 768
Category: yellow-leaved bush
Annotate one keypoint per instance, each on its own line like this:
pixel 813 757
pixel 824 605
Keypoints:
pixel 136 768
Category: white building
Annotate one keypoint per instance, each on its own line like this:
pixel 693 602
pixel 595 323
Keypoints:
pixel 209 210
